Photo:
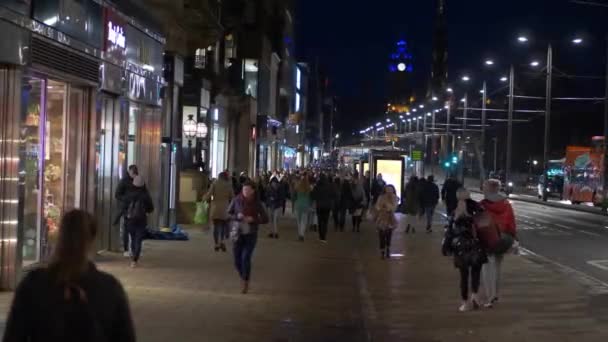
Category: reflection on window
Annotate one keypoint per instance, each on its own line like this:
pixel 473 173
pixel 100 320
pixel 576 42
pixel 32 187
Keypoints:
pixel 251 77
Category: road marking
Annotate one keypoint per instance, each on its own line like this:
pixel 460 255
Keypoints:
pixel 601 264
pixel 596 286
pixel 578 230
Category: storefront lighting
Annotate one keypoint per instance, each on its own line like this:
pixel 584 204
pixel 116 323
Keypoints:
pixel 190 128
pixel 216 114
pixel 201 130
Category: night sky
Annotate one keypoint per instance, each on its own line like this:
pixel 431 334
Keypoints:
pixel 352 40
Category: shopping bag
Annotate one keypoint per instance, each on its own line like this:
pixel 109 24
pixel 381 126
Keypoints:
pixel 201 216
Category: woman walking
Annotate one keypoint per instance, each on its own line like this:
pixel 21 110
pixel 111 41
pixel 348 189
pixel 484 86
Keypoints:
pixel 139 205
pixel 302 205
pixel 324 196
pixel 70 300
pixel 412 204
pixel 359 202
pixel 220 194
pixel 462 241
pixel 335 211
pixel 246 212
pixel 276 199
pixel 385 219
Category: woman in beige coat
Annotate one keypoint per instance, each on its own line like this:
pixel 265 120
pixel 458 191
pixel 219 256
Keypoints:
pixel 385 219
pixel 220 193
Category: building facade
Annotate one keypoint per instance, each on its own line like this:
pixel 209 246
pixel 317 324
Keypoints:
pixel 80 94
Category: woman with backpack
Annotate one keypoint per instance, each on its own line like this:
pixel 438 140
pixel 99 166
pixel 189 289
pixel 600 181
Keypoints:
pixel 139 205
pixel 70 300
pixel 246 212
pixel 462 242
pixel 385 219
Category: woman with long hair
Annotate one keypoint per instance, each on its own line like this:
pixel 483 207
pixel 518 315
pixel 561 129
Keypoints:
pixel 302 204
pixel 220 194
pixel 385 219
pixel 70 300
pixel 247 212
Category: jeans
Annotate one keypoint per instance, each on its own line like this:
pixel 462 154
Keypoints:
pixel 275 220
pixel 302 219
pixel 386 236
pixel 357 223
pixel 323 216
pixel 125 236
pixel 475 273
pixel 220 231
pixel 243 251
pixel 429 212
pixel 491 275
pixel 137 235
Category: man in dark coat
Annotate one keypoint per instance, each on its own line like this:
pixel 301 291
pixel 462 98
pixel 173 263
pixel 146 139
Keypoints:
pixel 429 197
pixel 448 194
pixel 122 191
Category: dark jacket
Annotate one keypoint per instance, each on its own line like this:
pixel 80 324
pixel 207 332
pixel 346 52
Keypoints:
pixel 276 195
pixel 137 194
pixel 462 241
pixel 346 195
pixel 324 195
pixel 37 313
pixel 238 204
pixel 429 196
pixel 123 188
pixel 377 189
pixel 412 196
pixel 448 193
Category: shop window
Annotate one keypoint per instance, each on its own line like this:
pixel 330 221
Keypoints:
pixel 250 75
pixel 229 51
pixel 134 114
pixel 200 59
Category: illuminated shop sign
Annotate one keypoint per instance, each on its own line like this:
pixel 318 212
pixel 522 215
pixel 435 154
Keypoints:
pixel 116 35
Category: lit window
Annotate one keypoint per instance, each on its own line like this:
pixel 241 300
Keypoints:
pixel 297 102
pixel 298 78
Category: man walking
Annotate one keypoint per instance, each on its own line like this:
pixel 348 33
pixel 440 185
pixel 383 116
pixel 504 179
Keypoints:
pixel 429 198
pixel 122 190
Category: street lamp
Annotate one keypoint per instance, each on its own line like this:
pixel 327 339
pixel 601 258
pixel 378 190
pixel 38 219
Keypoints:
pixel 190 128
pixel 535 63
pixel 489 62
pixel 504 79
pixel 435 98
pixel 421 106
pixel 466 78
pixel 522 39
pixel 450 90
pixel 201 130
pixel 577 41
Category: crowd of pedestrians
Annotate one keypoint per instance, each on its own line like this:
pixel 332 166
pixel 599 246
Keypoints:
pixel 94 304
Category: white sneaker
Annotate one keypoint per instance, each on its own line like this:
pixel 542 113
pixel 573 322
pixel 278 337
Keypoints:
pixel 464 307
pixel 126 254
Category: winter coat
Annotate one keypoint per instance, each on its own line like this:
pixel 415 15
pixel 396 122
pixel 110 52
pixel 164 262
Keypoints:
pixel 385 211
pixel 359 198
pixel 137 194
pixel 37 313
pixel 238 205
pixel 412 195
pixel 346 195
pixel 429 195
pixel 302 201
pixel 448 193
pixel 462 239
pixel 377 189
pixel 220 194
pixel 275 195
pixel 324 195
pixel 502 212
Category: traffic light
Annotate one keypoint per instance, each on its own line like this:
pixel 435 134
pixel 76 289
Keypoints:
pixel 454 159
pixel 447 164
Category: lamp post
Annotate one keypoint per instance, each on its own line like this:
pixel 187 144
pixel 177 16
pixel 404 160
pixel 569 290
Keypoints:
pixel 509 124
pixel 547 117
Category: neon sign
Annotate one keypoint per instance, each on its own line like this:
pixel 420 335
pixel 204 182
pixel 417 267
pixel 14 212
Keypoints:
pixel 116 35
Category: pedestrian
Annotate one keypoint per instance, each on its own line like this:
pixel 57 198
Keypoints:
pixel 346 202
pixel 324 196
pixel 138 206
pixel 359 201
pixel 246 212
pixel 302 205
pixel 377 188
pixel 429 197
pixel 70 300
pixel 385 219
pixel 220 194
pixel 335 211
pixel 275 197
pixel 286 189
pixel 124 186
pixel 313 220
pixel 462 241
pixel 412 204
pixel 448 194
pixel 501 213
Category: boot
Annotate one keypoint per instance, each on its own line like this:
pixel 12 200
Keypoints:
pixel 388 253
pixel 407 229
pixel 382 254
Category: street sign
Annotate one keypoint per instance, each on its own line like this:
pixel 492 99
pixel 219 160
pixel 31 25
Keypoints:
pixel 416 155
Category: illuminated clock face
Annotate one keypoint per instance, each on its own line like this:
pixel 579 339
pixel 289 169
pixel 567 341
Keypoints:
pixel 401 67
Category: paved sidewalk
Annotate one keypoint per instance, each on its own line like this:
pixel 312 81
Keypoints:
pixel 342 291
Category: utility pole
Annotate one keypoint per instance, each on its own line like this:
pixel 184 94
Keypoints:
pixel 447 129
pixel 482 152
pixel 510 124
pixel 547 119
pixel 495 153
pixel 605 145
pixel 433 143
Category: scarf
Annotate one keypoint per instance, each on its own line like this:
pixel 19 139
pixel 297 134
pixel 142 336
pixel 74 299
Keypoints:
pixel 250 207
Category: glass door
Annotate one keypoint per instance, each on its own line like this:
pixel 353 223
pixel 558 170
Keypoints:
pixel 74 124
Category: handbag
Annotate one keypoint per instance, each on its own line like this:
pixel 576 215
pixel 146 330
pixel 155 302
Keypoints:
pixel 238 228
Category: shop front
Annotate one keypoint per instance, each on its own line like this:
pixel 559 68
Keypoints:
pixel 48 83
